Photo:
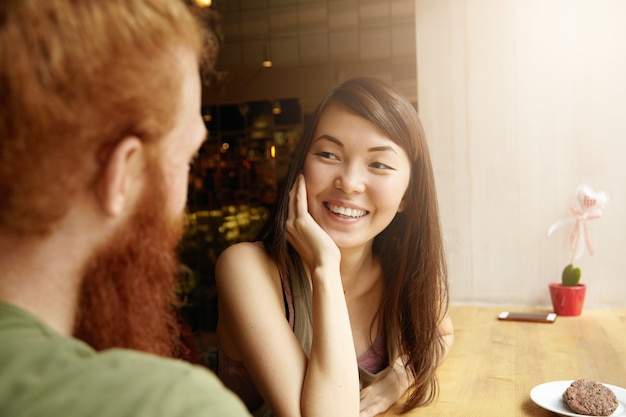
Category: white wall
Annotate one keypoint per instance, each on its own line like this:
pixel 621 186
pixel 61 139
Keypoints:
pixel 522 100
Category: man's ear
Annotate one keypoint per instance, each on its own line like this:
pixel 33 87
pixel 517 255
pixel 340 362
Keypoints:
pixel 118 173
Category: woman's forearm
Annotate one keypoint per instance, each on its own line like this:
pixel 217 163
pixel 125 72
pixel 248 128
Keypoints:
pixel 331 385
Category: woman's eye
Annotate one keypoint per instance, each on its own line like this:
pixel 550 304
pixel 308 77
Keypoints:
pixel 326 155
pixel 380 165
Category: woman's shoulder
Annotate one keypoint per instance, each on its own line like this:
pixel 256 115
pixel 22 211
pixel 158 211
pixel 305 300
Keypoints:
pixel 250 296
pixel 246 260
pixel 255 249
pixel 245 254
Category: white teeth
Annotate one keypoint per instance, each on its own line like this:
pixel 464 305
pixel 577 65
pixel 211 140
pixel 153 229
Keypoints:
pixel 346 211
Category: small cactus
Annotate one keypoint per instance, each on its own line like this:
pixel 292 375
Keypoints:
pixel 570 276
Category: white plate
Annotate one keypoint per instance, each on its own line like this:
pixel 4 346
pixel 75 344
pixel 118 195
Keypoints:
pixel 550 397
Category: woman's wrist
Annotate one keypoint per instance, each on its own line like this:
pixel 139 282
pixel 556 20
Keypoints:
pixel 327 278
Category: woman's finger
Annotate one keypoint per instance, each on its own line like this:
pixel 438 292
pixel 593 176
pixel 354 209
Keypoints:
pixel 302 207
pixel 291 213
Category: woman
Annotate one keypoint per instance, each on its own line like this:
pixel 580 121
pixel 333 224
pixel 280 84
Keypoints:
pixel 349 276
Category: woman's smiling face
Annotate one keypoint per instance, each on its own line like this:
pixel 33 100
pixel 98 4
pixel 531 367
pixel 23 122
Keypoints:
pixel 356 177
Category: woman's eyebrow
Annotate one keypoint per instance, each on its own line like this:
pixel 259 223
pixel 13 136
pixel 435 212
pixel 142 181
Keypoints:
pixel 329 138
pixel 384 148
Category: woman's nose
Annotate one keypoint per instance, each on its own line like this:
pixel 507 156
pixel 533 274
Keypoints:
pixel 350 180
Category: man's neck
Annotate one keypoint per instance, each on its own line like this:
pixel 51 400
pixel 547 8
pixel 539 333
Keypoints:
pixel 38 276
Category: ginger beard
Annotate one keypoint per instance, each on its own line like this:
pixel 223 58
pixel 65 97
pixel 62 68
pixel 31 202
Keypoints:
pixel 128 297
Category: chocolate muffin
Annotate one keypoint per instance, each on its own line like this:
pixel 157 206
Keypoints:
pixel 590 398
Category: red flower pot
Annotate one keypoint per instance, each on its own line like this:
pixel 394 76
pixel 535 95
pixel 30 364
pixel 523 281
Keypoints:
pixel 567 301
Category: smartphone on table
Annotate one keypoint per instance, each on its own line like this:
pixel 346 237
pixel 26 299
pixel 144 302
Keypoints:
pixel 531 317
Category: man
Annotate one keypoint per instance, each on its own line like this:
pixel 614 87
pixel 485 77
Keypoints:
pixel 99 122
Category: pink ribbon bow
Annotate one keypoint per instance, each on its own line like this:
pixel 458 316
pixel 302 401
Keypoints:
pixel 590 206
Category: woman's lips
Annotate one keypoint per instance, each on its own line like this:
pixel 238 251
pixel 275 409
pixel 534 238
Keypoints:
pixel 348 212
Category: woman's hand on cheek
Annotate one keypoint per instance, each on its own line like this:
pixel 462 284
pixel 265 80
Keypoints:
pixel 305 235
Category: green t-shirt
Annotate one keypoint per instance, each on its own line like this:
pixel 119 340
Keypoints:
pixel 45 374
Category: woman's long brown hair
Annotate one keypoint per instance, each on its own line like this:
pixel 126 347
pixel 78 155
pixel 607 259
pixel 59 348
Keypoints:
pixel 410 249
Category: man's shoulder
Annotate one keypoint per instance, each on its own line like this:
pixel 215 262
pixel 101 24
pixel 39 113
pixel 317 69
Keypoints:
pixel 116 383
pixel 169 384
pixel 46 374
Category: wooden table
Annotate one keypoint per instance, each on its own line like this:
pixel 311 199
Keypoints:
pixel 494 364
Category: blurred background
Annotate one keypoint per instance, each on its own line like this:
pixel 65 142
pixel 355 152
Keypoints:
pixel 277 60
pixel 522 101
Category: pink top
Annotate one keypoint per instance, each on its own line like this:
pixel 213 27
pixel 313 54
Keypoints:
pixel 235 376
